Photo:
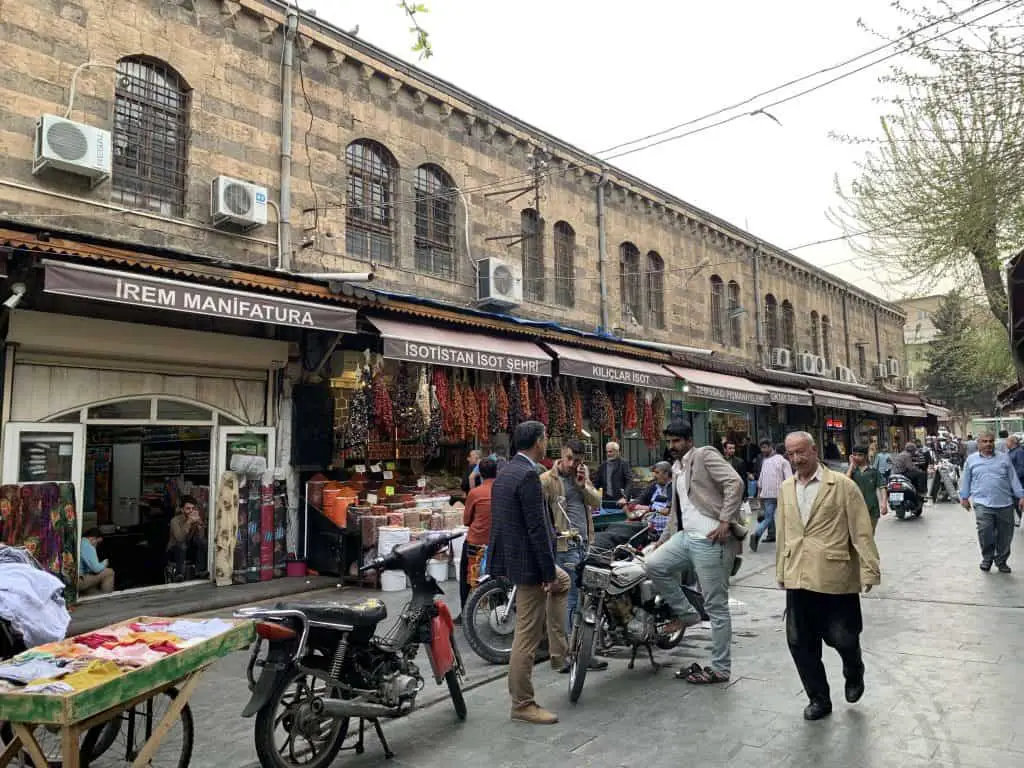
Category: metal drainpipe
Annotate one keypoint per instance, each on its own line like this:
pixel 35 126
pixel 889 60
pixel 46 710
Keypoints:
pixel 878 339
pixel 287 63
pixel 846 332
pixel 602 250
pixel 759 326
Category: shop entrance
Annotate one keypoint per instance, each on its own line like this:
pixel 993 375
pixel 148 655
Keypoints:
pixel 131 462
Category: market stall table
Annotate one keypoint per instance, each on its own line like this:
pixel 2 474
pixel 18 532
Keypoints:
pixel 74 712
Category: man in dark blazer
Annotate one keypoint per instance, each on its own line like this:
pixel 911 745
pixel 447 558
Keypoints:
pixel 522 549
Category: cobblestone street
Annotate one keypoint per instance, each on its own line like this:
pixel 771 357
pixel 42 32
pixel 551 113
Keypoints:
pixel 943 645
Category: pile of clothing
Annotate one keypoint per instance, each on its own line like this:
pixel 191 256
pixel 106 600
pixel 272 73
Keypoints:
pixel 31 600
pixel 92 659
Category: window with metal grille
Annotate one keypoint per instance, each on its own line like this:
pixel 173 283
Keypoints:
pixel 565 265
pixel 788 327
pixel 717 304
pixel 434 243
pixel 735 315
pixel 630 283
pixel 826 338
pixel 369 212
pixel 532 240
pixel 862 362
pixel 815 334
pixel 771 321
pixel 655 290
pixel 150 137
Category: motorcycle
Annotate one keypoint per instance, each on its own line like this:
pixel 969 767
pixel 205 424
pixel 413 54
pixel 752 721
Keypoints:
pixel 904 498
pixel 619 607
pixel 947 474
pixel 325 664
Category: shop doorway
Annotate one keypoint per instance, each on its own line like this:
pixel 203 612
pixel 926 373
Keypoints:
pixel 131 462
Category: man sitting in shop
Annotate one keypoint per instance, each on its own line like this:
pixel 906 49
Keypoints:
pixel 658 496
pixel 188 537
pixel 92 573
pixel 614 477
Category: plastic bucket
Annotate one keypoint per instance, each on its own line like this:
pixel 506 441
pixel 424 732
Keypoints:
pixel 438 569
pixel 296 569
pixel 392 581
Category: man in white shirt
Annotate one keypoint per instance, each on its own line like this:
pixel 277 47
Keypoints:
pixel 706 500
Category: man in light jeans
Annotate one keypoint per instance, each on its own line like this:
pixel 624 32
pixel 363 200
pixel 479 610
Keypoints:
pixel 775 469
pixel 990 481
pixel 703 535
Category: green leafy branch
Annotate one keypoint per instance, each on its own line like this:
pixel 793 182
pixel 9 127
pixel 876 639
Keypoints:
pixel 422 45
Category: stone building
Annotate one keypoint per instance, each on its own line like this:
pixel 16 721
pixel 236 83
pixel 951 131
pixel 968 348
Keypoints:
pixel 192 248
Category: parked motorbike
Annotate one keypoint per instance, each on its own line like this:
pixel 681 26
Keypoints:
pixel 619 607
pixel 947 474
pixel 904 498
pixel 325 664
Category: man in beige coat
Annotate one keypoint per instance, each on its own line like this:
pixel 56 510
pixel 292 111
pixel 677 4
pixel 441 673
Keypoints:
pixel 825 556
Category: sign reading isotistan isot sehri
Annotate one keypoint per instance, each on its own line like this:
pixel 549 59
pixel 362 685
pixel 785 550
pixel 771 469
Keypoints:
pixel 160 293
pixel 466 357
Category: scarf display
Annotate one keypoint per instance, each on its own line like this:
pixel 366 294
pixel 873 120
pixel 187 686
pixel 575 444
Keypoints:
pixel 42 518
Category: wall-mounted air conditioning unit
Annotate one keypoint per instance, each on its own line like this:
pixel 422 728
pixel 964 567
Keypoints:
pixel 72 147
pixel 820 366
pixel 845 375
pixel 894 367
pixel 781 358
pixel 237 202
pixel 499 283
pixel 881 371
pixel 805 363
pixel 907 383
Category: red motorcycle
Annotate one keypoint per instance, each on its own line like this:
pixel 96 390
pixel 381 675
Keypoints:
pixel 325 665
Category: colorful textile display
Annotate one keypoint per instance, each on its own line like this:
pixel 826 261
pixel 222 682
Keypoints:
pixel 42 518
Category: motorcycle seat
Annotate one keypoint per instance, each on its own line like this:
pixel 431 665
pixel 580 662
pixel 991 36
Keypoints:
pixel 368 613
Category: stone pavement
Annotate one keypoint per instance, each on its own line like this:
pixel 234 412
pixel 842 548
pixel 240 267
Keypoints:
pixel 943 644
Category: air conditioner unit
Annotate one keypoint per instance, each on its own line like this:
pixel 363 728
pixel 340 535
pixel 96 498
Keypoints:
pixel 845 375
pixel 881 371
pixel 820 366
pixel 781 358
pixel 907 383
pixel 805 363
pixel 894 367
pixel 71 147
pixel 499 283
pixel 237 202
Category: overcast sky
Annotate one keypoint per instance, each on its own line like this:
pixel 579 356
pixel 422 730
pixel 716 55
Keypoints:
pixel 602 72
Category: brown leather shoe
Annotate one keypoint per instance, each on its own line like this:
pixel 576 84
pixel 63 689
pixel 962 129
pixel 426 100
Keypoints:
pixel 535 715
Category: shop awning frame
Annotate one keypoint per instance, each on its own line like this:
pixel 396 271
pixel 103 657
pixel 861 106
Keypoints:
pixel 611 369
pixel 939 412
pixel 432 345
pixel 837 400
pixel 720 386
pixel 874 406
pixel 789 396
pixel 911 411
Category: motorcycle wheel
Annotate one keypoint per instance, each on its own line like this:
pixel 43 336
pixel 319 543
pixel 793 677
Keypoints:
pixel 455 689
pixel 580 662
pixel 919 511
pixel 489 629
pixel 290 708
pixel 900 514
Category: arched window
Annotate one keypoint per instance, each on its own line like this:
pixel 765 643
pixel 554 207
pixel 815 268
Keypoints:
pixel 630 284
pixel 370 215
pixel 654 289
pixel 717 305
pixel 771 321
pixel 531 233
pixel 735 315
pixel 815 334
pixel 434 244
pixel 788 327
pixel 826 339
pixel 565 265
pixel 150 137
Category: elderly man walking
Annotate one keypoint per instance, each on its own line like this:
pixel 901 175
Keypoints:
pixel 825 556
pixel 990 481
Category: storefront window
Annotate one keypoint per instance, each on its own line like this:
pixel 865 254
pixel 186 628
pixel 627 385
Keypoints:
pixel 172 410
pixel 729 425
pixel 45 458
pixel 837 438
pixel 128 410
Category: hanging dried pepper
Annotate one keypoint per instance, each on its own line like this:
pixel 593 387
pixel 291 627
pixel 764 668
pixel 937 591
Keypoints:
pixel 408 417
pixel 357 428
pixel 423 398
pixel 557 416
pixel 630 419
pixel 658 405
pixel 524 398
pixel 503 407
pixel 540 404
pixel 383 412
pixel 457 405
pixel 435 430
pixel 577 412
pixel 602 413
pixel 483 398
pixel 648 432
pixel 472 416
pixel 516 410
pixel 442 393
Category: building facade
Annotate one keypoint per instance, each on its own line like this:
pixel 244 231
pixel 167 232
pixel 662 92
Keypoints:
pixel 175 295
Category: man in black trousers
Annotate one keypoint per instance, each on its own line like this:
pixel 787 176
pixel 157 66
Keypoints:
pixel 522 549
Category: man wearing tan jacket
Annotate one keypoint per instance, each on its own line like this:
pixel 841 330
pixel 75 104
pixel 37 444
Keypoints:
pixel 825 556
pixel 703 534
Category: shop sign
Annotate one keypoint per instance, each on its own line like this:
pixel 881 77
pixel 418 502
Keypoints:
pixel 729 395
pixel 836 424
pixel 159 293
pixel 632 377
pixel 790 398
pixel 824 401
pixel 465 357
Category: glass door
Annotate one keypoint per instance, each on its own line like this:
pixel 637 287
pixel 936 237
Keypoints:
pixel 46 453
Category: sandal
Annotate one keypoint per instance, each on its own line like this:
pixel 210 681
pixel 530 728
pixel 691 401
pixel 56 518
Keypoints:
pixel 698 676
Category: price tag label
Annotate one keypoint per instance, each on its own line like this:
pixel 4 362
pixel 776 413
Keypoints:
pixel 360 469
pixel 388 474
pixel 421 482
pixel 371 498
pixel 389 490
pixel 376 468
pixel 389 465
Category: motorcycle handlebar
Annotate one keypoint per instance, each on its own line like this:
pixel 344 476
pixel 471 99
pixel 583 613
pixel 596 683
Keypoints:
pixel 381 562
